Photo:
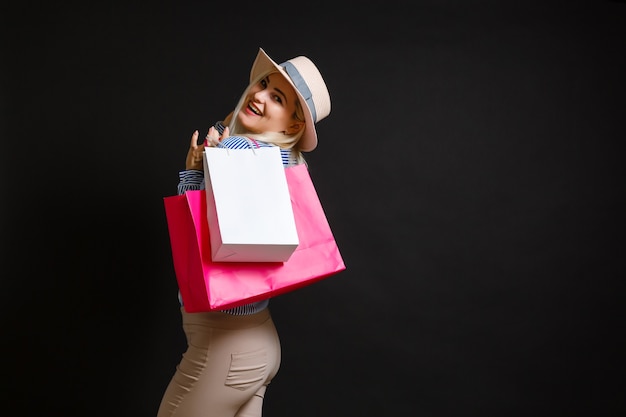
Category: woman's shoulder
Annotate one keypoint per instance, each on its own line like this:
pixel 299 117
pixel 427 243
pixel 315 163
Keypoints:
pixel 243 142
pixel 288 155
pixel 235 142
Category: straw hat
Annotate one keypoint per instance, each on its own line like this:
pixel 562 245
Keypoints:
pixel 306 79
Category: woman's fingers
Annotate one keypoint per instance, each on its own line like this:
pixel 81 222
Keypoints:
pixel 196 150
pixel 212 137
pixel 194 155
pixel 194 140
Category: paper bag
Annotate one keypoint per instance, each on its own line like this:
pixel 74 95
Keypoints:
pixel 206 285
pixel 248 205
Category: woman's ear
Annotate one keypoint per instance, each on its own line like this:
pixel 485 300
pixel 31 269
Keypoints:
pixel 294 128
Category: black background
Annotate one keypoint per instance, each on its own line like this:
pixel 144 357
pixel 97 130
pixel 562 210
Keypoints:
pixel 471 171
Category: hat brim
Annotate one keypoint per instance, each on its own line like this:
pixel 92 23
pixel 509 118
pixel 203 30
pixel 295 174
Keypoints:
pixel 263 63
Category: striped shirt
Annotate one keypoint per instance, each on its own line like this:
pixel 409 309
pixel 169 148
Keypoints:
pixel 192 180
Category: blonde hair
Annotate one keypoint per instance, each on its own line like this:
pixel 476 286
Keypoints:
pixel 282 140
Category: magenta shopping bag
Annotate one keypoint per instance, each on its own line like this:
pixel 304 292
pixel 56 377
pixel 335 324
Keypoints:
pixel 206 285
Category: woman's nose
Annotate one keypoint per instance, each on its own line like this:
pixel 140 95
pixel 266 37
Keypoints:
pixel 259 95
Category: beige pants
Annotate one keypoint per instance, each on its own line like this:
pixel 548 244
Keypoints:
pixel 228 364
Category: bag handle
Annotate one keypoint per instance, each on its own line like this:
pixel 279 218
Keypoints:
pixel 252 142
pixel 256 144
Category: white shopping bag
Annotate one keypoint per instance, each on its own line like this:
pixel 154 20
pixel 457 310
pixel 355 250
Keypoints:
pixel 249 208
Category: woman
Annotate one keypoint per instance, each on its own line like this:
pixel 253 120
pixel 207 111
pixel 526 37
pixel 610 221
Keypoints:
pixel 232 355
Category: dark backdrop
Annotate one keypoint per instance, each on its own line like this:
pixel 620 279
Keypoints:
pixel 471 170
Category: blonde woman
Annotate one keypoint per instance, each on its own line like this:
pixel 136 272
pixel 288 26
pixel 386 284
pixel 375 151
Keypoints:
pixel 232 355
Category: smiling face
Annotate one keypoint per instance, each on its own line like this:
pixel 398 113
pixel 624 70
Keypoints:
pixel 270 107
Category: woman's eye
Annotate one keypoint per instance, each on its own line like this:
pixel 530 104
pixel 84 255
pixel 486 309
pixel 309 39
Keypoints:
pixel 263 83
pixel 277 98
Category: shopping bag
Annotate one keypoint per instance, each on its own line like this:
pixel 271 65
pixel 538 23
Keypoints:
pixel 248 205
pixel 206 285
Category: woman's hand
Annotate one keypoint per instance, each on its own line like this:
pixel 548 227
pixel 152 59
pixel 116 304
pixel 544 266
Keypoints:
pixel 195 153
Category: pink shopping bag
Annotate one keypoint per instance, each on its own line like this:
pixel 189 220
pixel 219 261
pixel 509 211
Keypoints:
pixel 206 285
